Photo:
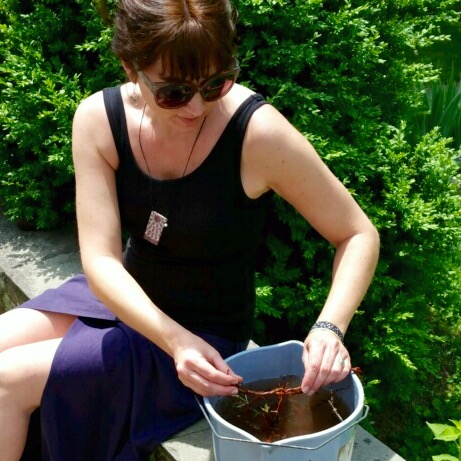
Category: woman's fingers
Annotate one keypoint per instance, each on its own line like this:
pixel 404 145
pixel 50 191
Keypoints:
pixel 207 388
pixel 325 360
pixel 206 374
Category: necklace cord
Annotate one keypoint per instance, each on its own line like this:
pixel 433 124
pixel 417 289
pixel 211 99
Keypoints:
pixel 190 153
pixel 193 145
pixel 157 222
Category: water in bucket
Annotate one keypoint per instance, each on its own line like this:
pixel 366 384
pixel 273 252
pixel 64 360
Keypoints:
pixel 334 444
pixel 275 417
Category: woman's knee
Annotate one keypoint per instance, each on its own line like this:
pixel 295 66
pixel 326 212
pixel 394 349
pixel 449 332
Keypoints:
pixel 24 371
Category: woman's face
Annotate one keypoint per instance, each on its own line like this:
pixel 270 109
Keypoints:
pixel 186 116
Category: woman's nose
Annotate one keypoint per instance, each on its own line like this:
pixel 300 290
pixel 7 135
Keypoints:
pixel 196 105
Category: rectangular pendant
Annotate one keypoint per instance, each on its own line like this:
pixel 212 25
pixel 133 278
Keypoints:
pixel 155 226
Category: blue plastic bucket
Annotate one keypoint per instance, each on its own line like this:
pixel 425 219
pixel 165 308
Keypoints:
pixel 334 444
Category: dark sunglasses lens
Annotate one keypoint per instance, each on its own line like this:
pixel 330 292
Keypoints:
pixel 174 96
pixel 217 87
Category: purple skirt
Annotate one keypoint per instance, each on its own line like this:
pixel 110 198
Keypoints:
pixel 112 395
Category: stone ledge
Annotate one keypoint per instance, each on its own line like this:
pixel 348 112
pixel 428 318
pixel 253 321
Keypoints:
pixel 37 260
pixel 10 294
pixel 33 261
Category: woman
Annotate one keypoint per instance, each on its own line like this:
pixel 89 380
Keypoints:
pixel 185 160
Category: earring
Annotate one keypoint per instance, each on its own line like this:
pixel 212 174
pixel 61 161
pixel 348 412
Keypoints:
pixel 133 97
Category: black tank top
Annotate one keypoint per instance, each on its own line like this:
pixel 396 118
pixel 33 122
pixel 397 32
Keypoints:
pixel 201 273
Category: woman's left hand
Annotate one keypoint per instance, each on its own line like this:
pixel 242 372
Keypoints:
pixel 325 359
pixel 201 368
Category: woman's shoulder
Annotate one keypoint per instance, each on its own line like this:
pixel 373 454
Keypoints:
pixel 239 95
pixel 91 106
pixel 91 128
pixel 266 121
pixel 91 115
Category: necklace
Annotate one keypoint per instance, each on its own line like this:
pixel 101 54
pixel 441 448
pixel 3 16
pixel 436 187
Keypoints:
pixel 157 222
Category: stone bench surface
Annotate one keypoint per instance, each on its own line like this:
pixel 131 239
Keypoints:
pixel 33 261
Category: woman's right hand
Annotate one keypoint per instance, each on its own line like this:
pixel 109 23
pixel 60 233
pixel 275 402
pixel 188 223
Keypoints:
pixel 201 368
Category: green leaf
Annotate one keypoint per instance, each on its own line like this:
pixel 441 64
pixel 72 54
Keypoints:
pixel 444 432
pixel 437 428
pixel 457 424
pixel 444 457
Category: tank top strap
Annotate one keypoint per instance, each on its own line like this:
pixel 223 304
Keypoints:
pixel 243 114
pixel 117 119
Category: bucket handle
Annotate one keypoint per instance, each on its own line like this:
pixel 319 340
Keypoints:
pixel 366 409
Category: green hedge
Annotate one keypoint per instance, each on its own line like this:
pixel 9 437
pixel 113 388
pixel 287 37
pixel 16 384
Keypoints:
pixel 351 75
pixel 46 68
pixel 348 75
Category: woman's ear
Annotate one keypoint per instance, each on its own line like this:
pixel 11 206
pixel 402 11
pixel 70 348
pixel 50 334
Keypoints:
pixel 130 72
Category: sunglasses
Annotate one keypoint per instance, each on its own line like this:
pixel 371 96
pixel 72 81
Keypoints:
pixel 174 95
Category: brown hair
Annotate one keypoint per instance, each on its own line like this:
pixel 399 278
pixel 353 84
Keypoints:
pixel 190 37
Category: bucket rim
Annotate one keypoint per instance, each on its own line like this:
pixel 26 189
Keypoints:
pixel 259 349
pixel 356 413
